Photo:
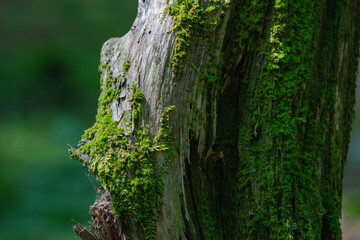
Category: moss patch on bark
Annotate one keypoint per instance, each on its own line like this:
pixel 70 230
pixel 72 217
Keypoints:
pixel 125 164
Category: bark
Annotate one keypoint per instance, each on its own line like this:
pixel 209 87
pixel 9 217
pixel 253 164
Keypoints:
pixel 256 145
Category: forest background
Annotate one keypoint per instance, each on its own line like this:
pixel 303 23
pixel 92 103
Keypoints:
pixel 49 86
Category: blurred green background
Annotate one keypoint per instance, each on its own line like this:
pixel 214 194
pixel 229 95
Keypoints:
pixel 49 85
pixel 351 183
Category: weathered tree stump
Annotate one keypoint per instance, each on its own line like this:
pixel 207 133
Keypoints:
pixel 255 145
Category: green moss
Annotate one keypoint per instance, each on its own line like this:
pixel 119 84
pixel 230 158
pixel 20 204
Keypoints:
pixel 126 165
pixel 250 24
pixel 291 153
pixel 191 21
pixel 127 65
pixel 277 176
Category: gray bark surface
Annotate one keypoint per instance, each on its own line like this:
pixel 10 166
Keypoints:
pixel 149 47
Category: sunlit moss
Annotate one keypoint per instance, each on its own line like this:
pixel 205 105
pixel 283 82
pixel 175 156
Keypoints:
pixel 126 164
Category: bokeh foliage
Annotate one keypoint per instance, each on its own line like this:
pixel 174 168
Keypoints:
pixel 49 85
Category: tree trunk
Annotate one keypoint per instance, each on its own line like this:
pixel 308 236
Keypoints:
pixel 226 120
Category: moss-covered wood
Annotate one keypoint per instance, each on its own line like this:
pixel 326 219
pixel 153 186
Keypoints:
pixel 263 94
